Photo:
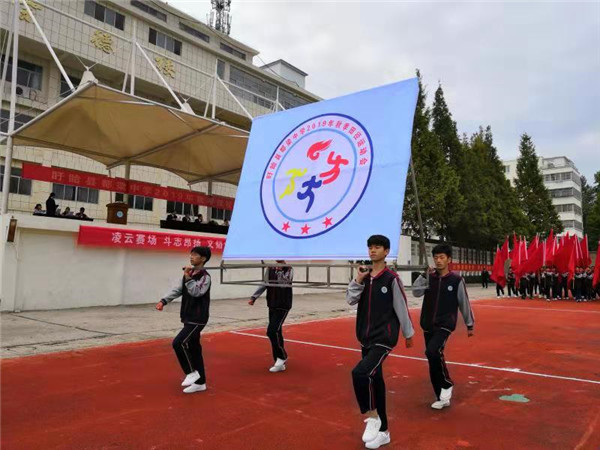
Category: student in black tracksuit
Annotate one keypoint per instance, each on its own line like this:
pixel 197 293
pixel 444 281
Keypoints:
pixel 445 294
pixel 511 280
pixel 279 301
pixel 524 285
pixel 381 315
pixel 194 290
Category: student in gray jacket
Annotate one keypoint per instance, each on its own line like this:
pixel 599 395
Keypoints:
pixel 445 293
pixel 382 313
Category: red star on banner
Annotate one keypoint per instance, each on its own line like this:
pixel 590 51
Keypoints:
pixel 305 229
pixel 327 222
pixel 286 226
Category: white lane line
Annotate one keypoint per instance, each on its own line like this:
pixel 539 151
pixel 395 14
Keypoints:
pixel 500 369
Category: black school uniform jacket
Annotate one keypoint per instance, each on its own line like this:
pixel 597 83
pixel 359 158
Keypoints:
pixel 195 298
pixel 382 310
pixel 278 297
pixel 443 297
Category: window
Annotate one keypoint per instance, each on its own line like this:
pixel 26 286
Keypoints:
pixel 506 169
pixel 136 201
pixel 18 185
pixel 162 40
pixel 566 192
pixel 182 208
pixel 289 100
pixel 65 90
pixel 221 69
pixel 104 14
pixel 149 10
pixel 573 224
pixel 220 214
pixel 194 32
pixel 253 84
pixel 233 51
pixel 75 193
pixel 20 120
pixel 28 74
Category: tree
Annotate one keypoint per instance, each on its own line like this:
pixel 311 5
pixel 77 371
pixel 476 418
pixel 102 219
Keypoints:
pixel 492 208
pixel 588 198
pixel 444 128
pixel 434 178
pixel 534 197
pixel 593 219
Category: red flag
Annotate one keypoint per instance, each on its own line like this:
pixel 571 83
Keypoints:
pixel 535 261
pixel 550 248
pixel 596 278
pixel 564 259
pixel 533 245
pixel 586 259
pixel 498 275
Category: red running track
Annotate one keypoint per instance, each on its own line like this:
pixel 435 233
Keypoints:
pixel 128 396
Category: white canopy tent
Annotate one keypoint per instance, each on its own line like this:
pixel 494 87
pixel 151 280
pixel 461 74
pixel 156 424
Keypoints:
pixel 116 128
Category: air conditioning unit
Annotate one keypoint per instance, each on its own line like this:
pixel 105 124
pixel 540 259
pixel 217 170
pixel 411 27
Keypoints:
pixel 23 91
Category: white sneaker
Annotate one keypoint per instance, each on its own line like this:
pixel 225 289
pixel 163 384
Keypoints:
pixel 195 388
pixel 191 378
pixel 279 365
pixel 383 438
pixel 372 429
pixel 277 368
pixel 440 404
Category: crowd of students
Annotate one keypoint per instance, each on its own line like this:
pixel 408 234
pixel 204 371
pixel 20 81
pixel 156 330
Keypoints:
pixel 548 283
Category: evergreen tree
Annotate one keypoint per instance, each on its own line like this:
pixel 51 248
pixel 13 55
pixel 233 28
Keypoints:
pixel 588 198
pixel 445 129
pixel 534 197
pixel 492 208
pixel 433 176
pixel 593 218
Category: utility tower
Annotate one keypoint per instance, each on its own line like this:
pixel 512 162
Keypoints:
pixel 220 19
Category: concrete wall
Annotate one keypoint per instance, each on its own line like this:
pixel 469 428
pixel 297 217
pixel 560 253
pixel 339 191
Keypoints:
pixel 44 268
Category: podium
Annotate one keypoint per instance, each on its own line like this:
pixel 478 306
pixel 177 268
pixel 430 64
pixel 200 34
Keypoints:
pixel 117 213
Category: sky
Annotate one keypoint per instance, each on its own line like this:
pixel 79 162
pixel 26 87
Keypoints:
pixel 520 67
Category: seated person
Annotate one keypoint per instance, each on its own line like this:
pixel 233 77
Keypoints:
pixel 186 218
pixel 37 211
pixel 81 214
pixel 199 219
pixel 172 217
pixel 226 223
pixel 67 212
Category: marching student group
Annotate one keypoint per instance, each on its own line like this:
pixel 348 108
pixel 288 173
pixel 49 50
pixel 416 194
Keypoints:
pixel 548 283
pixel 382 314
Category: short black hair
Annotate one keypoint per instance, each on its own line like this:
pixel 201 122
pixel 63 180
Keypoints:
pixel 442 248
pixel 379 239
pixel 202 251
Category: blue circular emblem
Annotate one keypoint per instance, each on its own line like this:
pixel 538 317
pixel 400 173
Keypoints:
pixel 120 214
pixel 316 176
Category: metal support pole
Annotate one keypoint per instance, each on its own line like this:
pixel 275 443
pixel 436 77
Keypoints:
pixel 127 177
pixel 209 208
pixel 13 105
pixel 214 99
pixel 420 220
pixel 132 69
pixel 5 67
pixel 50 49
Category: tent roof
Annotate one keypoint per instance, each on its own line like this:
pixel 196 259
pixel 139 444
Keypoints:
pixel 112 127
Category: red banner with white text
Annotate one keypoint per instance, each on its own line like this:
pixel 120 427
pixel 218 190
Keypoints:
pixel 132 187
pixel 145 240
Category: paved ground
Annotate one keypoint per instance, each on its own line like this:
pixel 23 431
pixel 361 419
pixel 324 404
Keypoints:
pixel 35 332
